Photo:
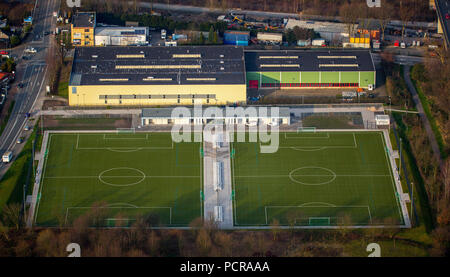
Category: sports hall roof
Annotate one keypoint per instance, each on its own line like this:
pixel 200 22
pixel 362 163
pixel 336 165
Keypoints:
pixel 301 60
pixel 193 65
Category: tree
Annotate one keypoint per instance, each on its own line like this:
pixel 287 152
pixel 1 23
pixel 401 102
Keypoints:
pixel 14 40
pixel 290 37
pixel 8 66
pixel 11 216
pixel 275 227
pixel 383 14
pixel 215 38
pixel 349 14
pixel 211 35
pixel 203 241
pixel 201 39
pixel 405 14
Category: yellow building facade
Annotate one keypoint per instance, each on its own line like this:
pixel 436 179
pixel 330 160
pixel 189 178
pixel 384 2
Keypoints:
pixel 82 29
pixel 154 95
pixel 157 76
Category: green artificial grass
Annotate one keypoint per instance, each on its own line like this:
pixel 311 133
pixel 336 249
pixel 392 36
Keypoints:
pixel 131 175
pixel 315 179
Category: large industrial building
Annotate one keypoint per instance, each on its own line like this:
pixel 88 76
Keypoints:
pixel 309 69
pixel 142 76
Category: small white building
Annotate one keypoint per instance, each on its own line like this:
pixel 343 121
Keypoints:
pixel 163 116
pixel 218 140
pixel 121 36
pixel 276 38
pixel 330 31
pixel 382 121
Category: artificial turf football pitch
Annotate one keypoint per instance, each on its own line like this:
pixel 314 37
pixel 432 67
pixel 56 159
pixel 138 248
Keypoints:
pixel 125 174
pixel 313 179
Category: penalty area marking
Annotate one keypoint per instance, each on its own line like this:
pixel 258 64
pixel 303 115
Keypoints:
pixel 307 137
pixel 114 206
pixel 318 205
pixel 106 138
pixel 122 149
pixel 316 148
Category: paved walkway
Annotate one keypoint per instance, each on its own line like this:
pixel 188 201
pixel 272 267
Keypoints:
pixel 367 113
pixel 423 116
pixel 222 197
pixel 36 187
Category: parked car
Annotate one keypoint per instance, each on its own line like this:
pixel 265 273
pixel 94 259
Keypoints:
pixel 27 128
pixel 30 50
pixel 19 140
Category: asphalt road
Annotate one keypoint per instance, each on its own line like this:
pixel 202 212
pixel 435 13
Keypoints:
pixel 31 73
pixel 265 14
pixel 443 8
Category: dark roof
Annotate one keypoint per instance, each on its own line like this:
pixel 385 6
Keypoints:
pixel 369 25
pixel 300 60
pixel 84 19
pixel 157 65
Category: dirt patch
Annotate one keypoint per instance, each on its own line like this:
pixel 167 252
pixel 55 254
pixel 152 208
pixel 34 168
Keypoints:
pixel 90 123
pixel 49 104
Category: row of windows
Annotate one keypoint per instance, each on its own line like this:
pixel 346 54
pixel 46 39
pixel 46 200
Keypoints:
pixel 266 85
pixel 159 96
pixel 178 101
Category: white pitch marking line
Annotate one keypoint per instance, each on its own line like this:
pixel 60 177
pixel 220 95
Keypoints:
pixel 325 175
pixel 307 137
pixel 86 177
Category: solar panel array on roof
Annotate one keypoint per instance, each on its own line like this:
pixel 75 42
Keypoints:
pixel 287 60
pixel 159 65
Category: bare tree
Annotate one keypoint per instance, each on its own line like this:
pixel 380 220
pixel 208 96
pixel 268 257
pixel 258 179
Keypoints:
pixel 383 15
pixel 405 14
pixel 11 216
pixel 349 14
pixel 275 227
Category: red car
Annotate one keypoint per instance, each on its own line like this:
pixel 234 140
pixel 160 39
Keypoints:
pixel 447 16
pixel 3 52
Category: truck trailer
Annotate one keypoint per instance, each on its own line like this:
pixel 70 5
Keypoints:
pixel 7 157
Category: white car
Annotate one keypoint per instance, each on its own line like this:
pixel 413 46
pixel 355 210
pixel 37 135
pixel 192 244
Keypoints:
pixel 30 50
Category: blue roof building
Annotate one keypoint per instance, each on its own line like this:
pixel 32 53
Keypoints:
pixel 236 38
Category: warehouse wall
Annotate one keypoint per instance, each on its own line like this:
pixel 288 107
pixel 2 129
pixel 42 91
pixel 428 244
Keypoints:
pixel 313 77
pixel 90 95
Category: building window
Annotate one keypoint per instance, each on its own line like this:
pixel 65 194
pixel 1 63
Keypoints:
pixel 178 100
pixel 74 90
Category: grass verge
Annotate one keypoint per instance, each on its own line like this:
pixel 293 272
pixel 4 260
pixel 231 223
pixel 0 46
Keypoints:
pixel 3 125
pixel 11 185
pixel 427 109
